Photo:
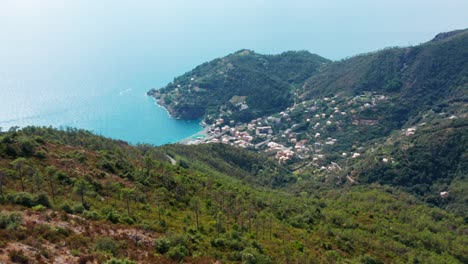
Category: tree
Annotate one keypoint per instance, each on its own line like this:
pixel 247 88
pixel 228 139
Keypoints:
pixel 2 177
pixel 159 195
pixel 196 207
pixel 35 179
pixel 82 187
pixel 127 195
pixel 220 220
pixel 51 173
pixel 22 167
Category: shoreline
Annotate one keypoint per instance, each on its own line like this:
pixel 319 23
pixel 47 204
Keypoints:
pixel 196 138
pixel 159 104
pixel 193 139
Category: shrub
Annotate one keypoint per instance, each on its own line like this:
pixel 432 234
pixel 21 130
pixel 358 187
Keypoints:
pixel 39 207
pixel 128 220
pixel 43 199
pixel 21 198
pixel 28 200
pixel 67 208
pixel 107 244
pixel 17 256
pixel 162 245
pixel 41 154
pixel 119 261
pixel 78 209
pixel 91 215
pixel 251 255
pixel 367 259
pixel 178 252
pixel 113 217
pixel 218 242
pixel 10 221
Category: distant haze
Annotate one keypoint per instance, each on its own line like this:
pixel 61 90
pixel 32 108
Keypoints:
pixel 58 56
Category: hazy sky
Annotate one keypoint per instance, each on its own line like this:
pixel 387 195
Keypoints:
pixel 182 33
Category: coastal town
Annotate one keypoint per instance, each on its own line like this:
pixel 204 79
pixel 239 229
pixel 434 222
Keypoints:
pixel 309 131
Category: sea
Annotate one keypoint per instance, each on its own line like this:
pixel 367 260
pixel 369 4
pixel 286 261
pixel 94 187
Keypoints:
pixel 104 104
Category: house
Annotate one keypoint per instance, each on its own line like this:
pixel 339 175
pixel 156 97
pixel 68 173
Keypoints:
pixel 410 131
pixel 266 130
pixel 284 155
pixel 225 128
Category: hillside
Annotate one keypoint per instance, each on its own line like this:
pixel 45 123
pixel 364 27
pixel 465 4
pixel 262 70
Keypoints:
pixel 245 84
pixel 347 111
pixel 417 78
pixel 71 196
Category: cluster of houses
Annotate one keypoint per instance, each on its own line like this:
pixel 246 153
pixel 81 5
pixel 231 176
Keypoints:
pixel 280 136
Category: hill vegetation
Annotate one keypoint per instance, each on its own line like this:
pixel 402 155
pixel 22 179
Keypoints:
pixel 75 197
pixel 407 106
pixel 245 84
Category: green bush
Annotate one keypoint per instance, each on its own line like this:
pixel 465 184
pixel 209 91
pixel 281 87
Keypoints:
pixel 163 245
pixel 29 200
pixel 119 261
pixel 39 207
pixel 128 220
pixel 21 198
pixel 67 208
pixel 218 242
pixel 107 245
pixel 78 209
pixel 178 252
pixel 43 199
pixel 93 215
pixel 17 256
pixel 366 259
pixel 252 256
pixel 10 221
pixel 113 217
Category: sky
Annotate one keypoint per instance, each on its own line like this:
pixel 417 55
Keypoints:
pixel 204 29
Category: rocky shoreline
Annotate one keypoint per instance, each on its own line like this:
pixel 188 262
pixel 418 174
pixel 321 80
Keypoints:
pixel 159 98
pixel 193 139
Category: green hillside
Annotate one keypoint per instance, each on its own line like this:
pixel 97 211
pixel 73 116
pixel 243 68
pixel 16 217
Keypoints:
pixel 75 197
pixel 407 105
pixel 243 85
pixel 430 75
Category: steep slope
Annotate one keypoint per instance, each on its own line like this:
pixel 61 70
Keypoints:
pixel 346 110
pixel 76 197
pixel 242 85
pixel 432 163
pixel 416 78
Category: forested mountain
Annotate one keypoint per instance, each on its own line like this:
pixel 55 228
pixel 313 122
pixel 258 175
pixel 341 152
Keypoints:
pixel 407 106
pixel 73 197
pixel 244 83
pixel 432 75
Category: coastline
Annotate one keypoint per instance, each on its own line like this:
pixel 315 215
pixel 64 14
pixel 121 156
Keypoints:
pixel 158 101
pixel 193 139
pixel 196 138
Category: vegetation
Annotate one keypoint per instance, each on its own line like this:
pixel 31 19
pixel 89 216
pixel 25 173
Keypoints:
pixel 243 85
pixel 142 208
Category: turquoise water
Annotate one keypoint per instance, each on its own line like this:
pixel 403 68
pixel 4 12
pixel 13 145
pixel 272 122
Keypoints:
pixel 88 64
pixel 116 110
